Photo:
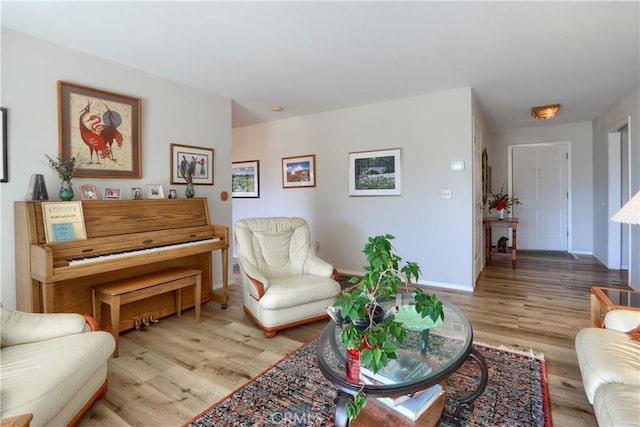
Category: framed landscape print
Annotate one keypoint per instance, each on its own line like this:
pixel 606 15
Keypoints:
pixel 299 171
pixel 375 173
pixel 200 159
pixel 100 128
pixel 245 179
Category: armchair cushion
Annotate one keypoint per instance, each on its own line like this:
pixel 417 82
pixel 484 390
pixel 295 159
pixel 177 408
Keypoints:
pixel 622 320
pixel 22 328
pixel 291 291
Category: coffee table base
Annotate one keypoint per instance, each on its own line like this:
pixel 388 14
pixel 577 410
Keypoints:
pixel 466 402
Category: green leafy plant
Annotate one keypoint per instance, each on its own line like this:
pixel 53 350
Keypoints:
pixel 188 171
pixel 65 168
pixel 383 276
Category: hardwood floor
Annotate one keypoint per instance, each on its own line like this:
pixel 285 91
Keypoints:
pixel 177 368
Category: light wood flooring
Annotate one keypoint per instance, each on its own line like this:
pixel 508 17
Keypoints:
pixel 177 368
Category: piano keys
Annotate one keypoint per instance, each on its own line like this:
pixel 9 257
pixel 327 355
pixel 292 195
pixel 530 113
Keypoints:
pixel 125 238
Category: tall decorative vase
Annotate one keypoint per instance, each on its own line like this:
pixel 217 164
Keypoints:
pixel 66 191
pixel 501 214
pixel 353 365
pixel 190 191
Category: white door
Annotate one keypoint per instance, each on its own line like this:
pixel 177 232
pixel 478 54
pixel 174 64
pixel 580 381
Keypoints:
pixel 478 230
pixel 540 182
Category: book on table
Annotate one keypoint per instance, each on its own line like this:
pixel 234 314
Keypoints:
pixel 404 368
pixel 414 407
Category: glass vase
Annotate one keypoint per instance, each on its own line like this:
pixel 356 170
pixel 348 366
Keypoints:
pixel 190 191
pixel 66 191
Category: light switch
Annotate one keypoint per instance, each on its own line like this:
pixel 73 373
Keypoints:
pixel 457 165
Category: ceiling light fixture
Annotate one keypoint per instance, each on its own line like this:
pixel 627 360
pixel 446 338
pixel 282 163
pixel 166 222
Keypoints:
pixel 277 108
pixel 545 112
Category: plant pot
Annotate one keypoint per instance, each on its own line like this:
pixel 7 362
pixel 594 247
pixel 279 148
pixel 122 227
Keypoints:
pixel 378 317
pixel 190 191
pixel 66 191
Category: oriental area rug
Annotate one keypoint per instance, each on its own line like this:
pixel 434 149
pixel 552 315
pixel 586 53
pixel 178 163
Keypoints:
pixel 295 393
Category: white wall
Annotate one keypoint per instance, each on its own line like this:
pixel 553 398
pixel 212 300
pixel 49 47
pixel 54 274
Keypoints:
pixel 628 106
pixel 171 113
pixel 431 129
pixel 581 139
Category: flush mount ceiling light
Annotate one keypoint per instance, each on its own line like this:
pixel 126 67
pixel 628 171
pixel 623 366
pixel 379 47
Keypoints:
pixel 545 112
pixel 277 108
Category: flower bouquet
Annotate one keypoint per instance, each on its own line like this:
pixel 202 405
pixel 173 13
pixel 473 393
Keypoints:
pixel 500 201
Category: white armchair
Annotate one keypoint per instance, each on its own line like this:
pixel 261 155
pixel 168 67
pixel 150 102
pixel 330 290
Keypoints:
pixel 284 283
pixel 53 366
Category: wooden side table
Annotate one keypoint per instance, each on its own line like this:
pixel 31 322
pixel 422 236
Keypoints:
pixel 493 222
pixel 604 300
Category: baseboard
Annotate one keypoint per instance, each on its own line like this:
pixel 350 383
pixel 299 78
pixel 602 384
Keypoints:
pixel 449 286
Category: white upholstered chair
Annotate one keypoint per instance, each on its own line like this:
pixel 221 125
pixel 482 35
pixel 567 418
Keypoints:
pixel 284 283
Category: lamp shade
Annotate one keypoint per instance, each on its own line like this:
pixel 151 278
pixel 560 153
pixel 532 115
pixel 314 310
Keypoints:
pixel 630 212
pixel 545 112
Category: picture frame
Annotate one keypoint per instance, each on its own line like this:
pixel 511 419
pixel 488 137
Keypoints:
pixel 172 194
pixel 183 155
pixel 375 173
pixel 299 171
pixel 108 139
pixel 245 179
pixel 155 191
pixel 88 192
pixel 4 171
pixel 111 194
pixel 136 193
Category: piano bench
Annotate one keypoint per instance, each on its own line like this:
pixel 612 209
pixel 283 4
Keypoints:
pixel 120 292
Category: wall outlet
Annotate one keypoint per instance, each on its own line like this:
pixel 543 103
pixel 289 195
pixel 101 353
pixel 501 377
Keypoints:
pixel 446 194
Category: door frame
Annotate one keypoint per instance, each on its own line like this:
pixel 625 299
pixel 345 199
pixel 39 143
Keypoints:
pixel 569 183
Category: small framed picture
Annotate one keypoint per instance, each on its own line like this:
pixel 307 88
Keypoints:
pixel 299 171
pixel 245 179
pixel 88 192
pixel 173 194
pixel 375 173
pixel 154 191
pixel 111 194
pixel 136 193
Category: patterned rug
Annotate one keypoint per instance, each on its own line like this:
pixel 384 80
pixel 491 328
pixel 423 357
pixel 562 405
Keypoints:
pixel 295 393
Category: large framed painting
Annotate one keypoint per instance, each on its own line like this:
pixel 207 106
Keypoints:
pixel 245 179
pixel 197 159
pixel 299 171
pixel 375 173
pixel 101 129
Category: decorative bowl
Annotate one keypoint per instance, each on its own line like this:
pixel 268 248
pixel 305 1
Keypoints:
pixel 413 321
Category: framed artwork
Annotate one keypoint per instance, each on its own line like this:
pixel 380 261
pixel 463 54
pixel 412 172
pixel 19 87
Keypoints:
pixel 88 192
pixel 375 173
pixel 4 172
pixel 199 159
pixel 100 128
pixel 136 193
pixel 154 191
pixel 245 179
pixel 173 194
pixel 111 194
pixel 299 171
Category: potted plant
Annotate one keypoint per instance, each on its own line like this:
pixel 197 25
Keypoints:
pixel 65 168
pixel 501 202
pixel 364 331
pixel 187 171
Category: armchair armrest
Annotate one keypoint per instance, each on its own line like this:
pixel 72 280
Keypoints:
pixel 317 266
pixel 259 281
pixel 22 328
pixel 622 320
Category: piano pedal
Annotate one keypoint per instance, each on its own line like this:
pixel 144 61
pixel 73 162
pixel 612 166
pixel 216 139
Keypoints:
pixel 152 320
pixel 145 322
pixel 136 324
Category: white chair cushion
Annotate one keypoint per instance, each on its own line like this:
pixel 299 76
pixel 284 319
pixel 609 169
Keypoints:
pixel 617 405
pixel 42 377
pixel 622 320
pixel 607 356
pixel 286 292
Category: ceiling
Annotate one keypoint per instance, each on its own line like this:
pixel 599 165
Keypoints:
pixel 311 57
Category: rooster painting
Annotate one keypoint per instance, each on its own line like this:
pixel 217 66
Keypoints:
pixel 100 133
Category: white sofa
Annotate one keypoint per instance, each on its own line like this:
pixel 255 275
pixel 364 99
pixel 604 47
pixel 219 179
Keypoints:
pixel 53 366
pixel 609 362
pixel 284 283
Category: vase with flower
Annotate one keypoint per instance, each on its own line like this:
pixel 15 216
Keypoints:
pixel 65 168
pixel 187 171
pixel 502 203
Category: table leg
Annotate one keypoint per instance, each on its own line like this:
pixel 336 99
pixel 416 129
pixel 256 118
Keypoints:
pixel 514 240
pixel 487 244
pixel 341 419
pixel 466 402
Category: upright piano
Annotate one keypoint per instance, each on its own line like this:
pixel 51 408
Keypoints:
pixel 125 238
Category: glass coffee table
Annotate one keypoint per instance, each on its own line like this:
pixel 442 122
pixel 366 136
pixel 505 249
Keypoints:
pixel 444 348
pixel 604 300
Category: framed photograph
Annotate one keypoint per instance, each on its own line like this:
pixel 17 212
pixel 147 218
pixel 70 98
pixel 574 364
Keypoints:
pixel 136 193
pixel 4 172
pixel 154 191
pixel 88 192
pixel 111 194
pixel 245 179
pixel 198 160
pixel 173 194
pixel 375 173
pixel 100 128
pixel 299 171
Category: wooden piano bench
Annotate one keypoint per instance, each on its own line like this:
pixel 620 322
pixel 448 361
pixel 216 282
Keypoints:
pixel 121 292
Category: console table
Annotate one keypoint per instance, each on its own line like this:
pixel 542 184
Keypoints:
pixel 493 222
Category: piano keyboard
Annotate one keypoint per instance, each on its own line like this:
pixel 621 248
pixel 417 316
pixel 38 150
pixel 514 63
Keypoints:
pixel 100 258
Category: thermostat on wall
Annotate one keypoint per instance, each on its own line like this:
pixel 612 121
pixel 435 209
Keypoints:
pixel 457 165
